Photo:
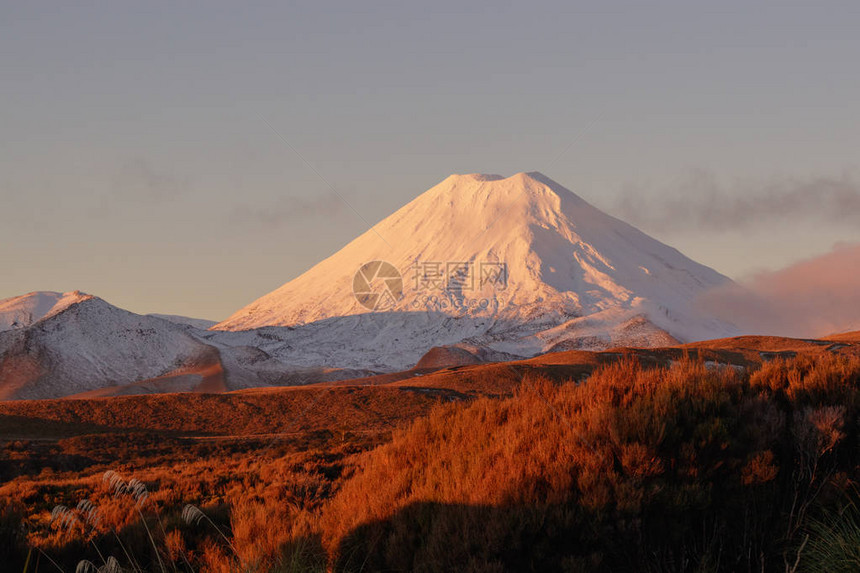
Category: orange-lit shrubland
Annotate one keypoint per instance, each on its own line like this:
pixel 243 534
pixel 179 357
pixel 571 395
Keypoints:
pixel 694 467
pixel 663 469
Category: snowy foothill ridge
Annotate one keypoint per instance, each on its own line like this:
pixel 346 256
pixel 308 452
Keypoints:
pixel 74 344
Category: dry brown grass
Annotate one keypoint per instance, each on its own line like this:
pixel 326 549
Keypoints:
pixel 666 463
pixel 296 409
pixel 641 467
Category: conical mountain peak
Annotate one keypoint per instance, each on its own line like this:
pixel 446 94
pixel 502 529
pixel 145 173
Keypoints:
pixel 521 180
pixel 515 249
pixel 472 204
pixel 476 177
pixel 482 192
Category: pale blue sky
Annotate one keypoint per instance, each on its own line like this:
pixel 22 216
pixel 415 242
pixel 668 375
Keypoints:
pixel 136 164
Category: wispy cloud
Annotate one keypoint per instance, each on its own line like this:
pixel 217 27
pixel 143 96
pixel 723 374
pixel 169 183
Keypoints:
pixel 288 210
pixel 136 182
pixel 702 202
pixel 814 297
pixel 142 178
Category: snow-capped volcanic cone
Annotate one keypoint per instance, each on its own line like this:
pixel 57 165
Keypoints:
pixel 504 253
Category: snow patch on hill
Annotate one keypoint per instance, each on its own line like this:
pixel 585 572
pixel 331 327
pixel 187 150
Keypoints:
pixel 25 310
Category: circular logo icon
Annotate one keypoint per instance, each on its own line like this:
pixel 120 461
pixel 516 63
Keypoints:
pixel 377 285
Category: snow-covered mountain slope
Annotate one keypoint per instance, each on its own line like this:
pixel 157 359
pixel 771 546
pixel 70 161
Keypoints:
pixel 392 341
pixel 81 345
pixel 22 311
pixel 517 264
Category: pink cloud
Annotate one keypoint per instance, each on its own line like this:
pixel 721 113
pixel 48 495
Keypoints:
pixel 813 297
